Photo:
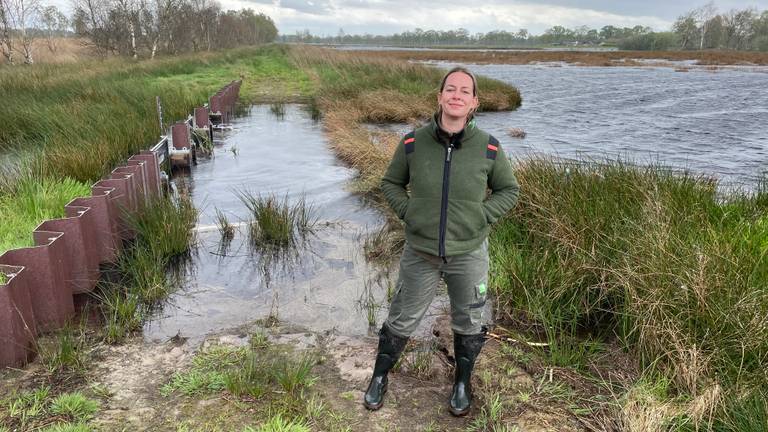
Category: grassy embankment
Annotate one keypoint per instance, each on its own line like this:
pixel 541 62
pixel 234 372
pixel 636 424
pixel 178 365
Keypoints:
pixel 584 58
pixel 67 125
pixel 598 254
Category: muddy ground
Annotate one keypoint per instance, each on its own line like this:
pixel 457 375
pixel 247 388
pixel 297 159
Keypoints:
pixel 128 379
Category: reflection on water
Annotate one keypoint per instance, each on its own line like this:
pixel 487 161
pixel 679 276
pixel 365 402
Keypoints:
pixel 323 283
pixel 712 122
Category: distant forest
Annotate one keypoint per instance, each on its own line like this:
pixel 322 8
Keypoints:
pixel 700 28
pixel 148 28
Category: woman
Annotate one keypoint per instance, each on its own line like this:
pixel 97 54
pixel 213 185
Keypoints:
pixel 448 165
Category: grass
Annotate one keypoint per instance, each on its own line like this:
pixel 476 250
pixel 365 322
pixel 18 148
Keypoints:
pixel 276 224
pixel 278 109
pixel 244 372
pixel 226 229
pixel 657 258
pixel 66 353
pixel 33 410
pixel 29 201
pixel 74 406
pixel 142 280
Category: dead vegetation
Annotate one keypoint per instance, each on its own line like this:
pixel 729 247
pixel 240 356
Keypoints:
pixel 579 58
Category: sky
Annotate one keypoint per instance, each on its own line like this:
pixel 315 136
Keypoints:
pixel 327 17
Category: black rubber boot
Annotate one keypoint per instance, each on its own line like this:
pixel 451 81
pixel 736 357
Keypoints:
pixel 390 347
pixel 466 349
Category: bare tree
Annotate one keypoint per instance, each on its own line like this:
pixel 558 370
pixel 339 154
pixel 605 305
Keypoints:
pixel 6 43
pixel 22 16
pixel 155 18
pixel 686 29
pixel 703 16
pixel 90 21
pixel 54 23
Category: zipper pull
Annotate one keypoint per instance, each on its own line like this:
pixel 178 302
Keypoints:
pixel 448 156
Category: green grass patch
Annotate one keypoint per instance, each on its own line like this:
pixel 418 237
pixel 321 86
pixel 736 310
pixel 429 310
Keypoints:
pixel 31 201
pixel 33 409
pixel 74 406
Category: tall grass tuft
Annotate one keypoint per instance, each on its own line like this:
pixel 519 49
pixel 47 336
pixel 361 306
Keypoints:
pixel 658 258
pixel 74 406
pixel 163 235
pixel 226 229
pixel 275 223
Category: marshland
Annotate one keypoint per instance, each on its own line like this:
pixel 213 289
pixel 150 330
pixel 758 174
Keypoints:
pixel 629 284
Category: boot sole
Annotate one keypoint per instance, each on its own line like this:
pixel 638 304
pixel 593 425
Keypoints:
pixel 458 413
pixel 370 407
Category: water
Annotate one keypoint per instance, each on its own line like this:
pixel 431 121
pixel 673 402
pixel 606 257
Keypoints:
pixel 325 286
pixel 710 122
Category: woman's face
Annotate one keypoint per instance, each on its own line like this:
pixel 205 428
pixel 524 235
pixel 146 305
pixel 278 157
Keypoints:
pixel 457 98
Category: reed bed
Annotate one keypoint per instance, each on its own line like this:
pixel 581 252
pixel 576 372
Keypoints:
pixel 658 259
pixel 582 58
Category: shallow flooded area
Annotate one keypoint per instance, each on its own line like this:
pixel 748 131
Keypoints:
pixel 324 284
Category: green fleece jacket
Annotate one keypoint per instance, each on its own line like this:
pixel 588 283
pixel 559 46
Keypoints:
pixel 448 210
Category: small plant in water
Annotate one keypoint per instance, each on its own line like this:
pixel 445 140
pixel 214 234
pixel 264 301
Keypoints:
pixel 278 109
pixel 226 229
pixel 275 223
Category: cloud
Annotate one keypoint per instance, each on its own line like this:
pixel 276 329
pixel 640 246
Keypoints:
pixel 313 7
pixel 326 17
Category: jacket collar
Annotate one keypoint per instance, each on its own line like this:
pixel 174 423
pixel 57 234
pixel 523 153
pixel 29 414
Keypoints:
pixel 441 136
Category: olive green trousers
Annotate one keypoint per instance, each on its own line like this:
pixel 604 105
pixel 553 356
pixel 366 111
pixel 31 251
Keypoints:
pixel 466 277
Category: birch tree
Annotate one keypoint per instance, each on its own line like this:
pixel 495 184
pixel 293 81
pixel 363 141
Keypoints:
pixel 6 43
pixel 53 23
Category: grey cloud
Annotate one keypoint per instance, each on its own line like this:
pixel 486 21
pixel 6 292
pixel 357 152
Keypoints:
pixel 314 7
pixel 664 9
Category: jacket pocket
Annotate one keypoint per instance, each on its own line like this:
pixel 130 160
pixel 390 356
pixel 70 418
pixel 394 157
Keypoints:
pixel 422 217
pixel 466 220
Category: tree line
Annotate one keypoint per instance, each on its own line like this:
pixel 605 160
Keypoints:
pixel 135 28
pixel 700 28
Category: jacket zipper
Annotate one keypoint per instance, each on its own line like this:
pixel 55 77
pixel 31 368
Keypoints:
pixel 444 202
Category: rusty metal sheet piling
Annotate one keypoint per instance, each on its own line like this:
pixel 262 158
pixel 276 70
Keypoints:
pixel 120 205
pixel 84 275
pixel 18 328
pixel 37 291
pixel 152 168
pixel 137 176
pixel 50 295
pixel 104 224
